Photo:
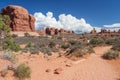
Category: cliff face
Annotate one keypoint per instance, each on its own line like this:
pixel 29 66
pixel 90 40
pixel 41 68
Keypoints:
pixel 21 20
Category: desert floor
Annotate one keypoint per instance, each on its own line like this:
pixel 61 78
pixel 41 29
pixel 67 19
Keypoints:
pixel 90 68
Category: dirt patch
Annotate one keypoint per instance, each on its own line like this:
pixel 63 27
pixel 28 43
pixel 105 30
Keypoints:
pixel 115 64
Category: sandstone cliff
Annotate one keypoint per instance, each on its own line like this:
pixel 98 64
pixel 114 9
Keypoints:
pixel 21 20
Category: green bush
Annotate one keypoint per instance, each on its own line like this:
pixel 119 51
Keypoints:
pixel 94 41
pixel 28 45
pixel 26 34
pixel 110 41
pixel 23 71
pixel 15 48
pixel 65 46
pixel 90 50
pixel 9 44
pixel 60 37
pixel 72 42
pixel 111 54
pixel 52 44
pixel 14 35
pixel 116 46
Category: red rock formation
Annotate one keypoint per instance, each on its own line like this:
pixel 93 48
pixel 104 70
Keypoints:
pixel 119 31
pixel 56 31
pixel 61 30
pixel 93 31
pixel 52 31
pixel 41 32
pixel 20 19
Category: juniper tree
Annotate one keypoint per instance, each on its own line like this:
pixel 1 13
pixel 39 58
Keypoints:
pixel 6 40
pixel 4 30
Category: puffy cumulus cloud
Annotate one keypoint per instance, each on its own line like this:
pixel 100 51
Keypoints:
pixel 112 27
pixel 117 25
pixel 67 22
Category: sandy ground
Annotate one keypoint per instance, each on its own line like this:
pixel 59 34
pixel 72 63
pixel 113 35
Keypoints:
pixel 116 65
pixel 91 68
pixel 21 34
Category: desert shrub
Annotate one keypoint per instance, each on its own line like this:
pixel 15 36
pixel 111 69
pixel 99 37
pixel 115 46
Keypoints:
pixel 77 52
pixel 110 41
pixel 90 49
pixel 14 35
pixel 52 44
pixel 111 54
pixel 29 44
pixel 23 71
pixel 11 56
pixel 34 50
pixel 28 47
pixel 94 41
pixel 46 51
pixel 9 44
pixel 73 49
pixel 41 45
pixel 15 48
pixel 72 42
pixel 101 42
pixel 26 34
pixel 60 37
pixel 116 46
pixel 65 46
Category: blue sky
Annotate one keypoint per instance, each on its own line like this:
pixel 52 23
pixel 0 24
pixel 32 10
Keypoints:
pixel 95 12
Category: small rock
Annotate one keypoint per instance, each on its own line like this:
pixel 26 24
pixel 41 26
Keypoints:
pixel 48 70
pixel 10 67
pixel 68 65
pixel 58 70
pixel 4 73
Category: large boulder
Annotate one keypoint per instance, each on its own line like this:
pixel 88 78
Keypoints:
pixel 20 19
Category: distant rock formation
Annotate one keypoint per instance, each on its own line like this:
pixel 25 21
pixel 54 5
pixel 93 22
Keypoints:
pixel 20 19
pixel 93 31
pixel 41 32
pixel 54 31
pixel 104 31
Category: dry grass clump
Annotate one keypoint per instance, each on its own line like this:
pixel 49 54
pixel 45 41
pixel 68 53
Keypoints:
pixel 111 54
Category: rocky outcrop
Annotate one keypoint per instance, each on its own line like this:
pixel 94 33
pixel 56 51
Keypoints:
pixel 56 31
pixel 105 31
pixel 58 70
pixel 93 31
pixel 20 19
pixel 41 32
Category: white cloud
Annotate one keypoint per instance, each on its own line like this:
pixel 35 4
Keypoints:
pixel 112 27
pixel 117 25
pixel 67 22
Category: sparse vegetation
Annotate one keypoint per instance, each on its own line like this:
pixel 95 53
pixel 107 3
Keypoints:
pixel 23 71
pixel 94 41
pixel 116 46
pixel 111 54
pixel 52 44
pixel 26 34
pixel 11 56
pixel 60 37
pixel 72 44
pixel 65 46
pixel 14 35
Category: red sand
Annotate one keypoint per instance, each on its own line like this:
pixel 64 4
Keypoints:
pixel 91 68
